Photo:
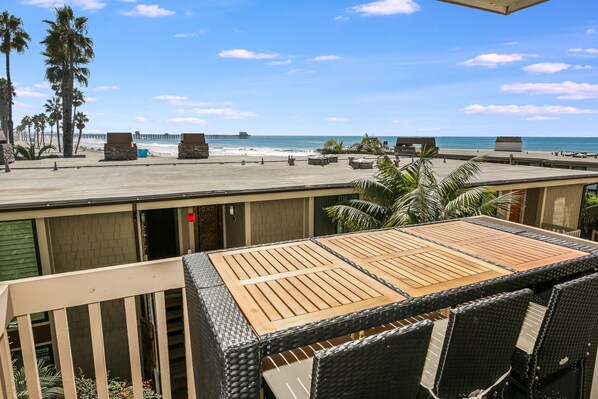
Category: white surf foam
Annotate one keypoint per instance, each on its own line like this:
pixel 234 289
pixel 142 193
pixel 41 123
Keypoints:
pixel 171 150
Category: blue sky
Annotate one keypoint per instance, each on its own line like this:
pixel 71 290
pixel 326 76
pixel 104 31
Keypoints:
pixel 333 67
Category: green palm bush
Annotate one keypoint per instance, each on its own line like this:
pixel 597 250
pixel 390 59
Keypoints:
pixel 29 153
pixel 50 382
pixel 414 194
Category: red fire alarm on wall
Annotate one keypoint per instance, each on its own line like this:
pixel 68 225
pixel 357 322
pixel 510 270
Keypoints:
pixel 191 217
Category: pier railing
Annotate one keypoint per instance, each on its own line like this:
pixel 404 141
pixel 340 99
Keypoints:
pixel 19 299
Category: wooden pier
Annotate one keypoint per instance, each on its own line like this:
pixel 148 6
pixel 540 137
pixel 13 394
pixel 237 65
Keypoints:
pixel 168 136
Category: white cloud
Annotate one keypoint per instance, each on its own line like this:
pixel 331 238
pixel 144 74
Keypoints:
pixel 196 103
pixel 493 60
pixel 566 90
pixel 44 85
pixel 141 119
pixel 91 99
pixel 340 18
pixel 168 97
pixel 510 43
pixel 301 72
pixel 584 52
pixel 285 62
pixel 321 58
pixel 146 10
pixel 387 7
pixel 19 106
pixel 185 35
pixel 553 67
pixel 591 31
pixel 105 88
pixel 26 92
pixel 84 4
pixel 247 55
pixel 187 121
pixel 542 118
pixel 95 113
pixel 229 113
pixel 526 110
pixel 336 119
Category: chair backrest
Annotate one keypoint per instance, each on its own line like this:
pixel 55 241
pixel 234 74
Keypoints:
pixel 193 138
pixel 119 138
pixel 565 337
pixel 479 343
pixel 385 365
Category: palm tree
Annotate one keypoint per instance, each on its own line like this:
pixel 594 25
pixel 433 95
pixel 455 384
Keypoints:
pixel 20 131
pixel 54 109
pixel 78 100
pixel 80 121
pixel 68 50
pixel 333 147
pixel 368 145
pixel 13 37
pixel 51 122
pixel 6 97
pixel 50 382
pixel 36 126
pixel 43 119
pixel 414 194
pixel 27 123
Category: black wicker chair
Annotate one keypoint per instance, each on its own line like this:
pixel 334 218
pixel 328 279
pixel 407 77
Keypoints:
pixel 470 353
pixel 557 348
pixel 385 365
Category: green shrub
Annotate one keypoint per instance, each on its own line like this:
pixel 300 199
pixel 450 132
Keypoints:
pixel 50 381
pixel 117 388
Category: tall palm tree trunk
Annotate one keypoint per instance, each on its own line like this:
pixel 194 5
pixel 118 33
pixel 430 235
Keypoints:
pixel 51 134
pixel 78 140
pixel 67 115
pixel 11 137
pixel 58 134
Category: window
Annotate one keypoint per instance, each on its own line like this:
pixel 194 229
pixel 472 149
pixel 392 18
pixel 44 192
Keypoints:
pixel 18 250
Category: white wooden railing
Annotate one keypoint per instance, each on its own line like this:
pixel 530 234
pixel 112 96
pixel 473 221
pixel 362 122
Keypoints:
pixel 562 229
pixel 56 293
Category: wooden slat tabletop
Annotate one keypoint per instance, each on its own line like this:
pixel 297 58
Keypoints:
pixel 286 285
pixel 414 265
pixel 511 250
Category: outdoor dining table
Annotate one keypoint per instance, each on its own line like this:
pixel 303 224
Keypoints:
pixel 248 303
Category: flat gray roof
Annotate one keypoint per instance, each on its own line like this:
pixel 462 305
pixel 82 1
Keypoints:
pixel 545 157
pixel 83 182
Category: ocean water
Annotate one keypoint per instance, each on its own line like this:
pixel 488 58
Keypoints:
pixel 261 146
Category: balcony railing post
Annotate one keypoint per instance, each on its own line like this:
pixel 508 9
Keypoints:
pixel 7 373
pixel 163 344
pixel 134 354
pixel 63 341
pixel 29 357
pixel 99 353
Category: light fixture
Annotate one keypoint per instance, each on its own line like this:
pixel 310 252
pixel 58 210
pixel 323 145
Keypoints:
pixel 231 210
pixel 505 7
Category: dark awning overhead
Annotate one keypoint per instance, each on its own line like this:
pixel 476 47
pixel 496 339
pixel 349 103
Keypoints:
pixel 499 6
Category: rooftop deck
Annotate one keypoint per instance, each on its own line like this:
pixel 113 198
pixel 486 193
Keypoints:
pixel 35 184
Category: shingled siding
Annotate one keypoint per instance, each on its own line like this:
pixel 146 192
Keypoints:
pixel 87 242
pixel 273 221
pixel 563 205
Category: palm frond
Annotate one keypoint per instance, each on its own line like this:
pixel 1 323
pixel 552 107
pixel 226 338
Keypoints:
pixel 458 178
pixel 358 215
